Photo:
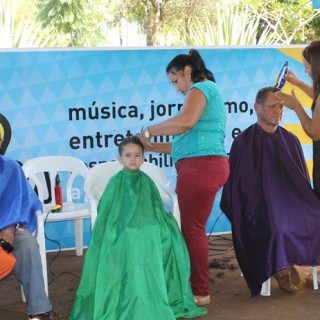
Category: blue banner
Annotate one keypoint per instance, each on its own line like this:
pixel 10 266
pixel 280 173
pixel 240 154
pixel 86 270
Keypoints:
pixel 316 4
pixel 83 102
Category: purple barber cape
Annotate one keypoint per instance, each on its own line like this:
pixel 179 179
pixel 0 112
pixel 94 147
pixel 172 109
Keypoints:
pixel 274 212
pixel 18 201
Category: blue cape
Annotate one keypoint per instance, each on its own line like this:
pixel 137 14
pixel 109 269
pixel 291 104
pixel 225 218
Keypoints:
pixel 274 212
pixel 17 199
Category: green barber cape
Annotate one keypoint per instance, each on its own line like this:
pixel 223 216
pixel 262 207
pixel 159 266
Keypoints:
pixel 137 265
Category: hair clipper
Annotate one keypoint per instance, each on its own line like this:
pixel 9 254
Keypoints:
pixel 281 80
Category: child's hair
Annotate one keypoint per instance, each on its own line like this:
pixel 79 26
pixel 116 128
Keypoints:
pixel 132 139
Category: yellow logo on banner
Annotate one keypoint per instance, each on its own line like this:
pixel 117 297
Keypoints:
pixel 1 131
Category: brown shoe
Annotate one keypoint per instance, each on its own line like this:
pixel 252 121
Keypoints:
pixel 294 275
pixel 285 283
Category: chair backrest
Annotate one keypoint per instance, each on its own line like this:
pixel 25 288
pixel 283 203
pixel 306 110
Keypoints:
pixel 99 176
pixel 41 173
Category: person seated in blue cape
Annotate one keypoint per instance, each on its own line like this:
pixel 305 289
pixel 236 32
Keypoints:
pixel 137 264
pixel 273 210
pixel 19 204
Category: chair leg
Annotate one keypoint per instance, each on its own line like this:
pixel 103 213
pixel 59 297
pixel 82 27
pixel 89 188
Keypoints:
pixel 266 288
pixel 23 297
pixel 42 248
pixel 78 234
pixel 315 278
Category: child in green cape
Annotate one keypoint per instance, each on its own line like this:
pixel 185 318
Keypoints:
pixel 137 264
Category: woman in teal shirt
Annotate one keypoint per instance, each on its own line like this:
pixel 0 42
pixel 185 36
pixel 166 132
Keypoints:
pixel 198 152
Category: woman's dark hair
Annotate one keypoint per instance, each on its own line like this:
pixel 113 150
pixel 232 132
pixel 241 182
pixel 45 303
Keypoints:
pixel 311 53
pixel 193 59
pixel 132 139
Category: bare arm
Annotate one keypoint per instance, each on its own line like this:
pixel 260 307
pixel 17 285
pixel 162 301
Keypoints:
pixel 304 86
pixel 164 147
pixel 190 114
pixel 311 126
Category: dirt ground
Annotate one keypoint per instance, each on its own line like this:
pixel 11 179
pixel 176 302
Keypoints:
pixel 230 296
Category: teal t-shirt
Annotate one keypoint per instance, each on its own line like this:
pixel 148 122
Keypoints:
pixel 207 136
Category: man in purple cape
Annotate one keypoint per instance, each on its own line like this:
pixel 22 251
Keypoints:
pixel 274 212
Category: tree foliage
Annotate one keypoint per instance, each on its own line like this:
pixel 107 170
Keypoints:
pixel 18 28
pixel 80 20
pixel 150 15
pixel 232 24
pixel 289 20
pixel 84 23
pixel 186 21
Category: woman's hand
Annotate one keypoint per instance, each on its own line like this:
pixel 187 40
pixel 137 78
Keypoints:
pixel 144 140
pixel 304 86
pixel 290 101
pixel 292 78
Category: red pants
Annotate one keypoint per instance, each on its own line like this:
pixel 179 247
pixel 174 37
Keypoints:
pixel 198 181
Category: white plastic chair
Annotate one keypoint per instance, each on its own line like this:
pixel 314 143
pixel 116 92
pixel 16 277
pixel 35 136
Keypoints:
pixel 70 168
pixel 42 248
pixel 315 278
pixel 266 286
pixel 98 178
